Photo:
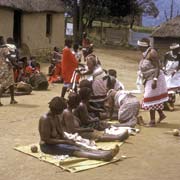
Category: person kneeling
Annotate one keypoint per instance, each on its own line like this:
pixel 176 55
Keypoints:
pixel 127 104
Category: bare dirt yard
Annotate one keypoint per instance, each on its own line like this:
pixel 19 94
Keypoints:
pixel 153 154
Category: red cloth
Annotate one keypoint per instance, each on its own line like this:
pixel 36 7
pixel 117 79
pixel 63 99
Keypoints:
pixel 56 74
pixel 28 70
pixel 68 65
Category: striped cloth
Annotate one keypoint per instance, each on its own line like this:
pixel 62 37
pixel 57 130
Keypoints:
pixel 128 106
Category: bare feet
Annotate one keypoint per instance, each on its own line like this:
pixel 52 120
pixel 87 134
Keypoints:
pixel 115 150
pixel 112 154
pixel 162 117
pixel 140 121
pixel 123 136
pixel 13 102
pixel 151 124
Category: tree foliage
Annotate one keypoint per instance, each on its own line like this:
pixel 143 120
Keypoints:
pixel 98 10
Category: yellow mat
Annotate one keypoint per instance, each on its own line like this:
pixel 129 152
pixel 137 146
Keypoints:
pixel 71 164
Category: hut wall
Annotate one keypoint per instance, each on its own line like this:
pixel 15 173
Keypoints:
pixel 162 44
pixel 34 32
pixel 6 20
pixel 58 27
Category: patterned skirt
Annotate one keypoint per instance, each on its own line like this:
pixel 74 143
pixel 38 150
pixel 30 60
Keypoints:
pixel 154 98
pixel 6 76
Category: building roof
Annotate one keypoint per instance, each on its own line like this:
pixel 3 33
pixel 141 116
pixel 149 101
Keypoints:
pixel 34 5
pixel 170 28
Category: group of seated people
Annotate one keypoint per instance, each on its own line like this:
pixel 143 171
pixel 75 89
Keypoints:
pixel 27 74
pixel 73 126
pixel 71 118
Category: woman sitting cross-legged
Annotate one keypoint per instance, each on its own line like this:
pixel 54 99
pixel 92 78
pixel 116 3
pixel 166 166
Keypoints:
pixel 53 139
pixel 71 124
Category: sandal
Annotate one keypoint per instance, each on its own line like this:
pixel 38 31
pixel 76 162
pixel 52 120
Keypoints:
pixel 1 104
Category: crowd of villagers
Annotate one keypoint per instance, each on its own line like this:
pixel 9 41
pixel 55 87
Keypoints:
pixel 94 105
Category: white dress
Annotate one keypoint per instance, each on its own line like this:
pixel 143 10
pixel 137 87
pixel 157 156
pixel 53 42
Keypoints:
pixel 173 81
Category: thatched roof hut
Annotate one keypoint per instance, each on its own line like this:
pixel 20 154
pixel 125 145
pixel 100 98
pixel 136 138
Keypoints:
pixel 166 34
pixel 36 24
pixel 34 5
pixel 168 29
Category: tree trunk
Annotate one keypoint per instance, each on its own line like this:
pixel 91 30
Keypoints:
pixel 101 37
pixel 132 21
pixel 89 26
pixel 75 21
pixel 80 20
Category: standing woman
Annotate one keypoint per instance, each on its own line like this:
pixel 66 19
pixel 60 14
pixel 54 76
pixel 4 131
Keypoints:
pixel 155 90
pixel 68 65
pixel 172 73
pixel 6 72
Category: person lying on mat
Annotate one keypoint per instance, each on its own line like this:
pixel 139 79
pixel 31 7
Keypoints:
pixel 52 138
pixel 127 105
pixel 71 124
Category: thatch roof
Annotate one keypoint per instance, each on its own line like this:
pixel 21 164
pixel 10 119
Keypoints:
pixel 34 5
pixel 170 28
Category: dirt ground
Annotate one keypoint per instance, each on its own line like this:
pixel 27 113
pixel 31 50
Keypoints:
pixel 153 154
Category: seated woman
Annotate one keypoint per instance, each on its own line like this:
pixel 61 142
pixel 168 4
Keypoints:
pixel 71 124
pixel 53 141
pixel 54 71
pixel 127 104
pixel 82 113
pixel 39 81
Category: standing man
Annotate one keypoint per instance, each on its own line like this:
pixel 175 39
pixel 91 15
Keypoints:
pixel 69 64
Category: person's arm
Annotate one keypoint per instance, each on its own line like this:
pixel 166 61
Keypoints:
pixel 70 124
pixel 153 56
pixel 178 59
pixel 84 115
pixel 165 60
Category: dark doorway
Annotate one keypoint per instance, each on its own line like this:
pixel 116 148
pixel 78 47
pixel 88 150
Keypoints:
pixel 17 28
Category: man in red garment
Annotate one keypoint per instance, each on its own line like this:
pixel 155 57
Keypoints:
pixel 68 65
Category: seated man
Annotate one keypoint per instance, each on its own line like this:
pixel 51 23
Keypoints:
pixel 86 120
pixel 127 104
pixel 53 140
pixel 95 104
pixel 71 124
